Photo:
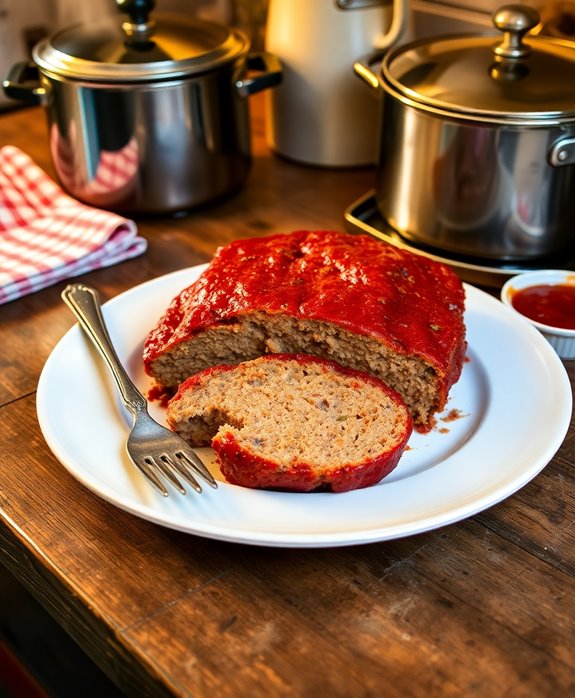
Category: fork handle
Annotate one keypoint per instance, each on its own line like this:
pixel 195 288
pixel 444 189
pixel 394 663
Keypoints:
pixel 84 302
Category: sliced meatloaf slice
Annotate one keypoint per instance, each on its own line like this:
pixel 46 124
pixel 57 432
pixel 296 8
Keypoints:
pixel 293 422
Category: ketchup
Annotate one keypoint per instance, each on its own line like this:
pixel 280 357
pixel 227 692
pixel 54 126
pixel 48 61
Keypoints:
pixel 549 304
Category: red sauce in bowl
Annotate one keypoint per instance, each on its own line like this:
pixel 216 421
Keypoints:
pixel 549 304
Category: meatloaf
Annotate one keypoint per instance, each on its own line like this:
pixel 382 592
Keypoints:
pixel 293 422
pixel 350 298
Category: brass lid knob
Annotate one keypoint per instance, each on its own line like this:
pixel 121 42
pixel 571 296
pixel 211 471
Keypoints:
pixel 514 21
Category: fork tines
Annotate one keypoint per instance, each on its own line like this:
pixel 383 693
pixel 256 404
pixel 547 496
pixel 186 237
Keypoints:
pixel 182 462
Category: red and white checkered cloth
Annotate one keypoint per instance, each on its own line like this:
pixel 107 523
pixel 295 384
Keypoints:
pixel 47 236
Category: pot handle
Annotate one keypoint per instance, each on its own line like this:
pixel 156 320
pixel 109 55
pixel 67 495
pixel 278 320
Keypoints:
pixel 269 67
pixel 399 20
pixel 400 12
pixel 362 68
pixel 562 152
pixel 23 84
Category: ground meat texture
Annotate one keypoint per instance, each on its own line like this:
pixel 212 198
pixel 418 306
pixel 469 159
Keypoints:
pixel 260 334
pixel 293 422
pixel 350 298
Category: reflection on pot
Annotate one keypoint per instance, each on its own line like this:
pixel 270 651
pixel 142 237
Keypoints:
pixel 466 179
pixel 530 212
pixel 113 181
pixel 542 204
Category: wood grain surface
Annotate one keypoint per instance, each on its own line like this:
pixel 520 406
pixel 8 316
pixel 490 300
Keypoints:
pixel 484 607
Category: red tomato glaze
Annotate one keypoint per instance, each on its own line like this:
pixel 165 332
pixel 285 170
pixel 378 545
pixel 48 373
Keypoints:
pixel 414 304
pixel 549 304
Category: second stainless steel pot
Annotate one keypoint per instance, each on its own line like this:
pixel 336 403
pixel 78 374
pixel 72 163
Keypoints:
pixel 477 143
pixel 147 117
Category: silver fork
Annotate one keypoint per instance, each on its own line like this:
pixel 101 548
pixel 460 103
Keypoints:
pixel 156 451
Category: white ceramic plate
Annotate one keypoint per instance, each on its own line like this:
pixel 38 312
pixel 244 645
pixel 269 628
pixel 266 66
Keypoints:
pixel 513 403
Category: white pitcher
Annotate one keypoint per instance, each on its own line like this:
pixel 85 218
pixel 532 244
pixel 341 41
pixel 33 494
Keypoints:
pixel 321 114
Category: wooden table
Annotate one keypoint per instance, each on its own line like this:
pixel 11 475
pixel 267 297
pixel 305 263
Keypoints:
pixel 484 607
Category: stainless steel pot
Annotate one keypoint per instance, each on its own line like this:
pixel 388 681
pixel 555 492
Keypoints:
pixel 150 116
pixel 477 142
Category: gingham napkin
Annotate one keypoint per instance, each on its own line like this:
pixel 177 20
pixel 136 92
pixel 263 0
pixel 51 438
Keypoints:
pixel 47 236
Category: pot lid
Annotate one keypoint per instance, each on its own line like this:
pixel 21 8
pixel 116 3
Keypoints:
pixel 491 77
pixel 139 48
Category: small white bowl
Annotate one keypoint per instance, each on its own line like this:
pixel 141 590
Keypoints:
pixel 561 339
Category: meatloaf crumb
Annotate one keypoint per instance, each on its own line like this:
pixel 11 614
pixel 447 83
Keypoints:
pixel 293 422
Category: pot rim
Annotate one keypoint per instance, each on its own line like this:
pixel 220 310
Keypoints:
pixel 543 120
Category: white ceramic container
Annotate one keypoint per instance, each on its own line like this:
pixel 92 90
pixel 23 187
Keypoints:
pixel 562 340
pixel 321 114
